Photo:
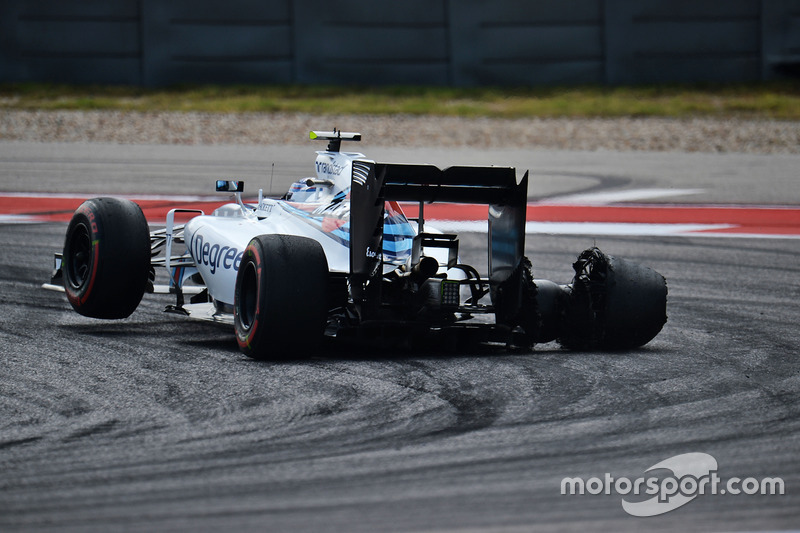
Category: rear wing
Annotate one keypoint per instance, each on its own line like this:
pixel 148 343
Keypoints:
pixel 471 185
pixel 496 187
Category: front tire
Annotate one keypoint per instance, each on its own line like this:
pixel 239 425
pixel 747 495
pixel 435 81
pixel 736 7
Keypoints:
pixel 106 259
pixel 280 303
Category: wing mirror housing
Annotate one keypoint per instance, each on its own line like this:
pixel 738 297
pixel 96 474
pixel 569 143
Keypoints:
pixel 230 186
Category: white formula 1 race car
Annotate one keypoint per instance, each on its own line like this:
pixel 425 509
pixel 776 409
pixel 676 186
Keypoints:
pixel 337 257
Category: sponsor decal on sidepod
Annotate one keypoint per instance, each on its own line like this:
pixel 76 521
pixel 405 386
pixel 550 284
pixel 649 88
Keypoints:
pixel 214 255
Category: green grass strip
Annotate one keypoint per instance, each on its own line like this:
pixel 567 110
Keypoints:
pixel 774 100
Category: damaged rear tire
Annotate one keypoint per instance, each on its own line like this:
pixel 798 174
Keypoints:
pixel 613 304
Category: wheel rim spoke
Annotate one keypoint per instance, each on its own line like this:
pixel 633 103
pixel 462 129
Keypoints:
pixel 80 259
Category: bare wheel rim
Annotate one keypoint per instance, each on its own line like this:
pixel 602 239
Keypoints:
pixel 248 296
pixel 80 256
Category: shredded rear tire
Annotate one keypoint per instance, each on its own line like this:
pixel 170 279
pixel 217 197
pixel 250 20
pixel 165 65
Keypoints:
pixel 614 304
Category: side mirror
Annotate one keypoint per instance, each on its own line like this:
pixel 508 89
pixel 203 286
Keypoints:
pixel 230 186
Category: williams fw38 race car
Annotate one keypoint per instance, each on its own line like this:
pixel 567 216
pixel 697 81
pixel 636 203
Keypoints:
pixel 337 257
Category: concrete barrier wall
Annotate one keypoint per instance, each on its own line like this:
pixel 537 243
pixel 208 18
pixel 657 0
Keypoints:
pixel 416 42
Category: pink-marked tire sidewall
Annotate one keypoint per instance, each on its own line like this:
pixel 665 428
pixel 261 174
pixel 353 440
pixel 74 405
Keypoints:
pixel 280 301
pixel 106 258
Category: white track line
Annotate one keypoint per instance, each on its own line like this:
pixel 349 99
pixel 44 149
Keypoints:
pixel 632 195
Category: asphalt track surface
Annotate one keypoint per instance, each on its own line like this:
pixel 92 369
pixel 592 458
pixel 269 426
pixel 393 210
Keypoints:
pixel 156 423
